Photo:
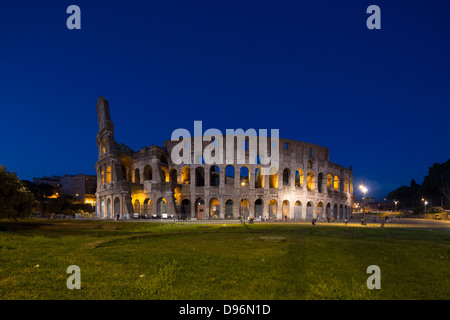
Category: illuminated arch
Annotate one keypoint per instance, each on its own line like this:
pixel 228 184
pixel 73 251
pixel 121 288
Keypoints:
pixel 336 183
pixel 299 178
pixel 310 181
pixel 186 175
pixel 329 181
pixel 214 208
pixel 273 206
pixel 259 178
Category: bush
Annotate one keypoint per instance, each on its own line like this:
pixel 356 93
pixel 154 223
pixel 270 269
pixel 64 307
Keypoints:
pixel 435 210
pixel 418 210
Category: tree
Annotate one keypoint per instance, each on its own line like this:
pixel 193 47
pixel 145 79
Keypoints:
pixel 16 200
pixel 408 195
pixel 437 182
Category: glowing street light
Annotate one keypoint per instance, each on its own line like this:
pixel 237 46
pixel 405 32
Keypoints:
pixel 425 203
pixel 364 190
pixel 395 202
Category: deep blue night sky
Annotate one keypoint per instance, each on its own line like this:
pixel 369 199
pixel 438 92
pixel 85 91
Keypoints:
pixel 378 99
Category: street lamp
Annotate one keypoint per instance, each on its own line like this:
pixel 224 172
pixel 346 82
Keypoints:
pixel 395 202
pixel 364 190
pixel 425 204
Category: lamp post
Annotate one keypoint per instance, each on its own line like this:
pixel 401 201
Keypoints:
pixel 425 204
pixel 364 190
pixel 395 202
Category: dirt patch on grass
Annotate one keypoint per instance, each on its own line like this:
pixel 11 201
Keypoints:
pixel 273 238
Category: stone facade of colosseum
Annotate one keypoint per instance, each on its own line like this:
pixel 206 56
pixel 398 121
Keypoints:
pixel 148 183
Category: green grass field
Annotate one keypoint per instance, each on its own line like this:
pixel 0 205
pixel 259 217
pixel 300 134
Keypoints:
pixel 133 260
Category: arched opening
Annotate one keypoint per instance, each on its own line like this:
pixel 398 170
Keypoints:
pixel 336 183
pixel 346 189
pixel 299 178
pixel 244 208
pixel 147 207
pixel 319 210
pixel 328 210
pixel 186 175
pixel 259 178
pixel 117 206
pixel 103 145
pixel 161 206
pixel 108 174
pixel 310 181
pixel 199 177
pixel 273 180
pixel 351 188
pixel 229 209
pixel 137 176
pixel 286 176
pixel 259 208
pixel 285 209
pixel 329 181
pixel 148 173
pixel 108 208
pixel 185 209
pixel 200 208
pixel 341 212
pixel 244 176
pixel 320 182
pixel 102 207
pixel 126 163
pixel 214 208
pixel 164 174
pixel 273 206
pixel 229 175
pixel 298 210
pixel 137 206
pixel 102 175
pixel 173 176
pixel 335 211
pixel 214 176
pixel 309 210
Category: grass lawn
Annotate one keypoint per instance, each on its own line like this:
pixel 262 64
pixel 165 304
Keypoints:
pixel 133 260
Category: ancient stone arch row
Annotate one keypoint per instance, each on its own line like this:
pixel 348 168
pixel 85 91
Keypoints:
pixel 227 175
pixel 225 207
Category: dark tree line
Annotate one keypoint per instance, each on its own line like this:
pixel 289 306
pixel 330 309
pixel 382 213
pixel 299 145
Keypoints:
pixel 435 189
pixel 16 201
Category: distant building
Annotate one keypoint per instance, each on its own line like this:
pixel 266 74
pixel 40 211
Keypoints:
pixel 54 181
pixel 81 187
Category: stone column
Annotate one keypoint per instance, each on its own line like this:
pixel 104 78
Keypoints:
pixel 251 177
pixel 221 206
pixel 193 205
pixel 222 176
pixel 207 175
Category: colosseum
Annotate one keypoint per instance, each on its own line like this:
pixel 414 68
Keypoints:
pixel 147 183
